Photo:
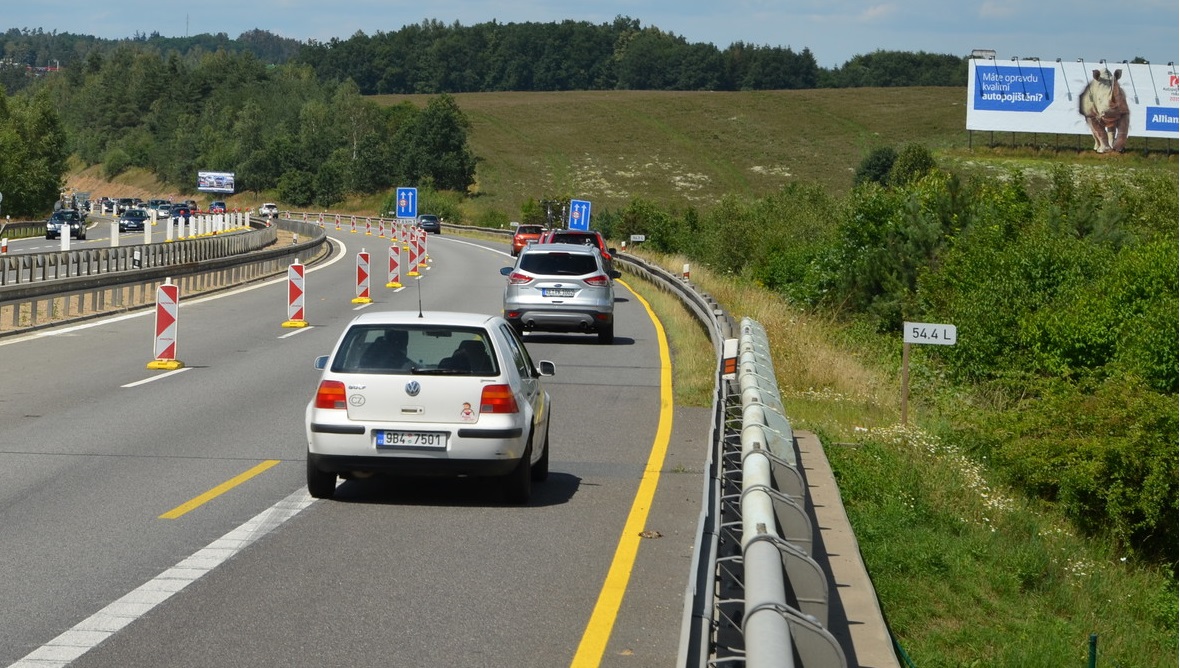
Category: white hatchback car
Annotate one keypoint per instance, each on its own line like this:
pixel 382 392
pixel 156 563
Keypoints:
pixel 436 393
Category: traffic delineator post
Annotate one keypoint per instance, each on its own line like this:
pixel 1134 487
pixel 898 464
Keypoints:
pixel 295 296
pixel 395 258
pixel 352 224
pixel 381 227
pixel 362 278
pixel 167 318
pixel 413 249
pixel 368 226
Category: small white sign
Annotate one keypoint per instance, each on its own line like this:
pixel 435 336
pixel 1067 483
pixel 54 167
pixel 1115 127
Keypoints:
pixel 638 237
pixel 924 332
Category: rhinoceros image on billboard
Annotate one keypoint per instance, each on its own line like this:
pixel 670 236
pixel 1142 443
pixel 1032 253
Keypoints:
pixel 1111 103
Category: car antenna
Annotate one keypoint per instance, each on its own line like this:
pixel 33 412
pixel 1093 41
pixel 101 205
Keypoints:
pixel 419 279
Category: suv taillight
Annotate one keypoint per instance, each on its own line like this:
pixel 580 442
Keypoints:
pixel 331 395
pixel 498 399
pixel 598 280
pixel 517 278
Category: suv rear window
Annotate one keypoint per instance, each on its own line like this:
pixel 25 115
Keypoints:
pixel 559 264
pixel 567 238
pixel 530 229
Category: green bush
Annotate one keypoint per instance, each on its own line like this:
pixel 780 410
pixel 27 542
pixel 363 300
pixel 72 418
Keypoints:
pixel 115 162
pixel 875 167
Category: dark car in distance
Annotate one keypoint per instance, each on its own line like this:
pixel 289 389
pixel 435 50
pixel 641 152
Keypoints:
pixel 430 223
pixel 70 219
pixel 133 219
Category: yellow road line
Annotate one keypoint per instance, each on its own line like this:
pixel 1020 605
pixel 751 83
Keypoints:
pixel 602 620
pixel 217 491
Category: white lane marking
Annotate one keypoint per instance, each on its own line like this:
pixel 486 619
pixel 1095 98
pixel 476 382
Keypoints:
pixel 296 331
pixel 163 375
pixel 88 633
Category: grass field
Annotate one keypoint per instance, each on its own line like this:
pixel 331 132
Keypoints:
pixel 691 148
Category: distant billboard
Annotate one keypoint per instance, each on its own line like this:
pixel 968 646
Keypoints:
pixel 215 182
pixel 1053 97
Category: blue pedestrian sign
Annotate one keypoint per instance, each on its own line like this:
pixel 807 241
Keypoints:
pixel 407 202
pixel 579 214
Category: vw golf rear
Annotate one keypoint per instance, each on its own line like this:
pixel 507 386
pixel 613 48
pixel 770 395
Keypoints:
pixel 429 394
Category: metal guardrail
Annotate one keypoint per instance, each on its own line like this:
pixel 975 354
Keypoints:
pixel 108 280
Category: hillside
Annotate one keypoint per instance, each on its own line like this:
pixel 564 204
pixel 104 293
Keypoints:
pixel 690 147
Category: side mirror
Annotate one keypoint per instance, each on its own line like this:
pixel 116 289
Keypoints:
pixel 611 251
pixel 546 368
pixel 504 271
pixel 320 362
pixel 615 273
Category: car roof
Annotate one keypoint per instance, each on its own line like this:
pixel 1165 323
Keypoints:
pixel 455 318
pixel 560 248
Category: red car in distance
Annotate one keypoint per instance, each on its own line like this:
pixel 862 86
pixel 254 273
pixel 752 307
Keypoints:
pixel 525 235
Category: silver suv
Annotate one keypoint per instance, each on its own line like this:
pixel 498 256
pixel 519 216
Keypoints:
pixel 561 288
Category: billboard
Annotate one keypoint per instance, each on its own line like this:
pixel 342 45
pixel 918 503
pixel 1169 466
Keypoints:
pixel 1073 98
pixel 215 182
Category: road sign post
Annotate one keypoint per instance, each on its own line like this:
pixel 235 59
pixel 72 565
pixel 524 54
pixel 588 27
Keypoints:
pixel 921 333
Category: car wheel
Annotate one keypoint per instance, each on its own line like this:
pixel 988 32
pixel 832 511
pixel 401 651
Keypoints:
pixel 606 335
pixel 320 484
pixel 518 485
pixel 540 470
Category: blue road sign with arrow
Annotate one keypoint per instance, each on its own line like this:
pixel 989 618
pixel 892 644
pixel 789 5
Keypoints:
pixel 407 202
pixel 579 214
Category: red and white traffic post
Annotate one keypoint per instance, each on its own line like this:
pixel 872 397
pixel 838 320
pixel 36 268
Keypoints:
pixel 414 259
pixel 167 319
pixel 295 296
pixel 395 259
pixel 352 224
pixel 362 278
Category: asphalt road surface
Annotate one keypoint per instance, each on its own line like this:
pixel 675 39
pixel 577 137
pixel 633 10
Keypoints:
pixel 159 518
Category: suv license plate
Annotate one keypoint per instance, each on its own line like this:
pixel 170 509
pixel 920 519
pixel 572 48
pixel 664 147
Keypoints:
pixel 411 439
pixel 557 292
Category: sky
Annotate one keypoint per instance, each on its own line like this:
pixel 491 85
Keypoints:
pixel 833 30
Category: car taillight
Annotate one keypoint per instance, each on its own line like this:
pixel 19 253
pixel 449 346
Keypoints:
pixel 517 278
pixel 598 280
pixel 331 395
pixel 498 399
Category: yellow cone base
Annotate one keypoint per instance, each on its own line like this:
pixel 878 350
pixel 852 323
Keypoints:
pixel 362 300
pixel 295 323
pixel 167 365
pixel 393 284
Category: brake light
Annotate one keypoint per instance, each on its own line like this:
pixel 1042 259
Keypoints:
pixel 331 395
pixel 598 281
pixel 517 278
pixel 498 399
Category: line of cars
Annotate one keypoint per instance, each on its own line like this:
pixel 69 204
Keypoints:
pixel 458 394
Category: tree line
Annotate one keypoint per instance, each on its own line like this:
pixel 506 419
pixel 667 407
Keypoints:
pixel 432 57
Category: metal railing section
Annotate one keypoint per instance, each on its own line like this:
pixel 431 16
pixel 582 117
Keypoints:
pixel 774 598
pixel 111 281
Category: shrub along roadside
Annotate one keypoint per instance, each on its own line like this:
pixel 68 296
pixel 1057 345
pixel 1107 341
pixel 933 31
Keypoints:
pixel 969 571
pixel 1064 292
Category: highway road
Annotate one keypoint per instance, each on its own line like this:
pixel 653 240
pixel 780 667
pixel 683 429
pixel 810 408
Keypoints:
pixel 169 506
pixel 98 235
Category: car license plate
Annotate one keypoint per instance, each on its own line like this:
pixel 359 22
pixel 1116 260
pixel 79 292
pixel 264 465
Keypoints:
pixel 557 292
pixel 411 439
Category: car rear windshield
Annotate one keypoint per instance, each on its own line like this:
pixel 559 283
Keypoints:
pixel 530 229
pixel 566 238
pixel 416 349
pixel 559 264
